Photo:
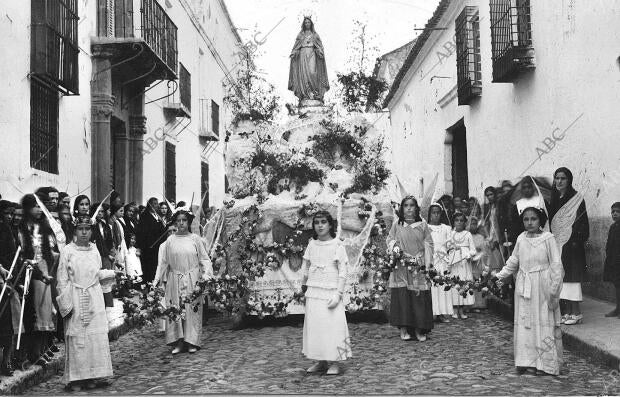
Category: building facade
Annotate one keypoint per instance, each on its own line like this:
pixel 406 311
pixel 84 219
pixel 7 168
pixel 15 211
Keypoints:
pixel 116 94
pixel 499 89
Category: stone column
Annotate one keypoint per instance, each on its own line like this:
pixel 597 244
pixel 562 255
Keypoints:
pixel 102 102
pixel 137 129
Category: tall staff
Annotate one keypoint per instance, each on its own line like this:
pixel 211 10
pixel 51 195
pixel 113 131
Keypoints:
pixel 21 315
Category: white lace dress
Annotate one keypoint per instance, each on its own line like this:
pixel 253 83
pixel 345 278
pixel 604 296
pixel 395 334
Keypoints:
pixel 326 334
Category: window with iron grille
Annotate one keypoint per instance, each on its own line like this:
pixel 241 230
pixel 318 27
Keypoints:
pixel 511 39
pixel 468 68
pixel 185 87
pixel 215 118
pixel 54 48
pixel 170 172
pixel 43 127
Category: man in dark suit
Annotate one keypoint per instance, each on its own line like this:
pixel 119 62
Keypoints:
pixel 150 234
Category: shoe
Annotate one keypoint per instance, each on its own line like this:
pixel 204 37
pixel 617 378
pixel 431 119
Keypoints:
pixel 564 318
pixel 455 316
pixel 421 337
pixel 613 313
pixel 334 369
pixel 192 349
pixel 319 366
pixel 574 319
pixel 54 349
pixel 176 350
pixel 91 385
pixel 404 335
pixel 444 319
pixel 521 370
pixel 464 316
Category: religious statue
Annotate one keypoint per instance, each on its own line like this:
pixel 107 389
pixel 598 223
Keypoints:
pixel 308 73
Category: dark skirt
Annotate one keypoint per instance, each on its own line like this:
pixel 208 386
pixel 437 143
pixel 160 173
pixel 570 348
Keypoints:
pixel 108 299
pixel 411 309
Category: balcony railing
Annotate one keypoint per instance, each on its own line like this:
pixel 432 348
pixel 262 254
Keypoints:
pixel 469 72
pixel 511 39
pixel 152 25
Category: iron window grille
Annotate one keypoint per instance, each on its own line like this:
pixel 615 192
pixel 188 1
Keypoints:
pixel 170 172
pixel 43 127
pixel 469 72
pixel 511 39
pixel 54 48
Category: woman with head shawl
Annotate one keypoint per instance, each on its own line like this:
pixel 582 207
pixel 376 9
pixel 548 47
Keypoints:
pixel 570 226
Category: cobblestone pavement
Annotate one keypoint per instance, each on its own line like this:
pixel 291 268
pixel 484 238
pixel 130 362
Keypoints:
pixel 473 356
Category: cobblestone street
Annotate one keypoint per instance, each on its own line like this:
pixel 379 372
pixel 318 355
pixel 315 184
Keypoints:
pixel 471 356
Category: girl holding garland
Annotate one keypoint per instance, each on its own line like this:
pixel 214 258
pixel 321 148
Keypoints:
pixel 184 261
pixel 442 300
pixel 324 271
pixel 461 249
pixel 536 261
pixel 411 301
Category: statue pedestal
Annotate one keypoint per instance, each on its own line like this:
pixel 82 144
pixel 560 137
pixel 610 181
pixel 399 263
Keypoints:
pixel 305 103
pixel 311 106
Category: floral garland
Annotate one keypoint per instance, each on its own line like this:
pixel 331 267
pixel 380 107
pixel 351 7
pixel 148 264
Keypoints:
pixel 273 305
pixel 350 144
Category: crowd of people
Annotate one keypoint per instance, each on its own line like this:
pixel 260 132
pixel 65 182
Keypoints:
pixel 62 260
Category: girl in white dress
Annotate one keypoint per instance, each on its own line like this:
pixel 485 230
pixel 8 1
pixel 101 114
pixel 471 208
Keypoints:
pixel 134 266
pixel 461 249
pixel 442 300
pixel 184 261
pixel 536 261
pixel 81 304
pixel 324 271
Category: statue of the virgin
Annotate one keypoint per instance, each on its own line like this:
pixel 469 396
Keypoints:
pixel 308 74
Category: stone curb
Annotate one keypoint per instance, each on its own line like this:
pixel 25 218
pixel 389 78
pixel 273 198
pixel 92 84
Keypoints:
pixel 577 345
pixel 23 380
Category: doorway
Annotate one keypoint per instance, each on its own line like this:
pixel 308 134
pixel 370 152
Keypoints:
pixel 456 143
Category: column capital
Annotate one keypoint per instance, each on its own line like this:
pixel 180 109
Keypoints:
pixel 102 51
pixel 137 125
pixel 102 106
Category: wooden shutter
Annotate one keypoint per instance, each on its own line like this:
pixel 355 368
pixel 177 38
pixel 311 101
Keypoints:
pixel 170 173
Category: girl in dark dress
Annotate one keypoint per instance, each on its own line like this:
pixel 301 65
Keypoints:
pixel 411 302
pixel 102 237
pixel 37 241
